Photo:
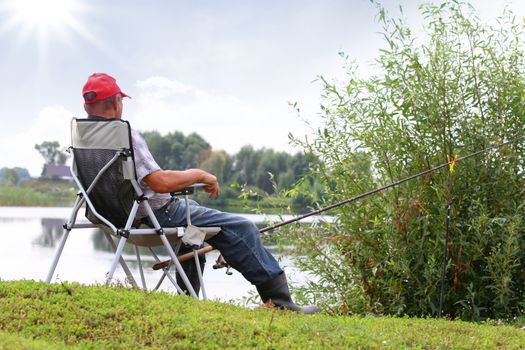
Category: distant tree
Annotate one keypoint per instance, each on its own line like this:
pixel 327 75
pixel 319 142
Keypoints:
pixel 159 146
pixel 13 176
pixel 51 152
pixel 245 165
pixel 218 163
pixel 253 167
pixel 249 166
pixel 23 174
pixel 299 165
pixel 9 177
pixel 196 150
pixel 176 151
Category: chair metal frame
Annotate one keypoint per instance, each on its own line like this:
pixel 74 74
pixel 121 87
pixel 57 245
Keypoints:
pixel 141 236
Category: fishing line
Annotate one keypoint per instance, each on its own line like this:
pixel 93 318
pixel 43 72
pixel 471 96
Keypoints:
pixel 380 189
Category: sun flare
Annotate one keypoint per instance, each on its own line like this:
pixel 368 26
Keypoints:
pixel 47 13
pixel 42 17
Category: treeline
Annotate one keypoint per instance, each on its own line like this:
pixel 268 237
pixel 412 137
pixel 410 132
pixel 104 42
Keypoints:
pixel 17 188
pixel 260 172
pixel 13 176
pixel 250 178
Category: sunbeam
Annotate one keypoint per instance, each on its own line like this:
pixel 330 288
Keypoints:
pixel 44 22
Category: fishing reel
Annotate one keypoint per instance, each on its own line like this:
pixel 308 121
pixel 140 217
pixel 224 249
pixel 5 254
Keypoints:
pixel 221 263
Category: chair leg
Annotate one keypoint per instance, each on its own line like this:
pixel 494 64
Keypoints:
pixel 178 266
pixel 79 201
pixel 199 273
pixel 162 280
pixel 58 253
pixel 166 273
pixel 125 267
pixel 116 258
pixel 140 268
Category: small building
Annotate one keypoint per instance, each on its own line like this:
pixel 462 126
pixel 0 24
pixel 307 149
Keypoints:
pixel 57 171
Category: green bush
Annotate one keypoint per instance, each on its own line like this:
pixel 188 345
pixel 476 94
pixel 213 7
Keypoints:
pixel 39 192
pixel 457 90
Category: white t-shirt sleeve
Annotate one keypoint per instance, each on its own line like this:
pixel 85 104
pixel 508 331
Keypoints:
pixel 144 162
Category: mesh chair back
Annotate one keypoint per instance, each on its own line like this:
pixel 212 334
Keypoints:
pixel 95 143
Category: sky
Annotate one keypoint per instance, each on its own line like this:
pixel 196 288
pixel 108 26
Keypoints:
pixel 225 69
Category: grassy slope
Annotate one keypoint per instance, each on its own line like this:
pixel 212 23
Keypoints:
pixel 40 316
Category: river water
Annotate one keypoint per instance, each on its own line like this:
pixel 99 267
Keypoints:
pixel 30 236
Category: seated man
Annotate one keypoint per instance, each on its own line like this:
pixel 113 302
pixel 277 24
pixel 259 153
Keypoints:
pixel 238 241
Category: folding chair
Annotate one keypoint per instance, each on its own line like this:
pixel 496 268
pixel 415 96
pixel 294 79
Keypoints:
pixel 103 168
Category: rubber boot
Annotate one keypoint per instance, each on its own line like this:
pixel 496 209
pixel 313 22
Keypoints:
pixel 276 292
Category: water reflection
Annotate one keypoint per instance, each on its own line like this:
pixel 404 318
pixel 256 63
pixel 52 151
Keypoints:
pixel 51 232
pixel 9 220
pixel 32 235
pixel 100 242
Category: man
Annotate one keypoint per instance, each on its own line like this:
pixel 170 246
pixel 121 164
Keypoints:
pixel 238 241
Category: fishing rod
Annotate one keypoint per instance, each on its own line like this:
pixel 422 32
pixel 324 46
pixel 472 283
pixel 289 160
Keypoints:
pixel 220 263
pixel 380 189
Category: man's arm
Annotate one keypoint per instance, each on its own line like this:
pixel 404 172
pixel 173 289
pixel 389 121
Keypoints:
pixel 165 181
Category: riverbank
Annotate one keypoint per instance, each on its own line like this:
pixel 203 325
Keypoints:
pixel 60 193
pixel 38 194
pixel 39 316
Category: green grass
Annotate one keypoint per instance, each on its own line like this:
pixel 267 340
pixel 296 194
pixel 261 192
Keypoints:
pixel 34 315
pixel 18 196
pixel 17 342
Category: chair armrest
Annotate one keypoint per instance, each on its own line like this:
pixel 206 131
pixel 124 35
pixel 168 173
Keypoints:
pixel 188 190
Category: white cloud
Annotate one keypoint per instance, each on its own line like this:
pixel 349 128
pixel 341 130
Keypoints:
pixel 51 124
pixel 226 121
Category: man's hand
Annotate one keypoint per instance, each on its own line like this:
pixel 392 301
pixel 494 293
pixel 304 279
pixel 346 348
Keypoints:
pixel 212 187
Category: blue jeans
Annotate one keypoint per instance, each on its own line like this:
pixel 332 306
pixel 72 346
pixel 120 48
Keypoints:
pixel 238 241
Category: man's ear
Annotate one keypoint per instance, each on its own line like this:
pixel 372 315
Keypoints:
pixel 115 102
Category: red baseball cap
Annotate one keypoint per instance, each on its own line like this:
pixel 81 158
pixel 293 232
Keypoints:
pixel 103 85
